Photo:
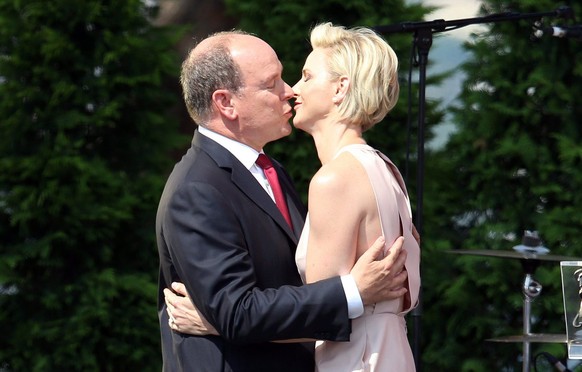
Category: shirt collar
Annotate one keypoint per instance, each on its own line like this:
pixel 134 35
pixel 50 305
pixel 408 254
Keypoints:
pixel 245 154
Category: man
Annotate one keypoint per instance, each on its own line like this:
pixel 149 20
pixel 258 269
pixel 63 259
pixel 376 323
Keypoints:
pixel 221 234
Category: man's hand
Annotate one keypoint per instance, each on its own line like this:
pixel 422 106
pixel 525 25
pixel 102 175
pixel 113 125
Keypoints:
pixel 384 279
pixel 184 316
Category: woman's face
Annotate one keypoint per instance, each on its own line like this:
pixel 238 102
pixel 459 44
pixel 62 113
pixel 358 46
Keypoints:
pixel 314 93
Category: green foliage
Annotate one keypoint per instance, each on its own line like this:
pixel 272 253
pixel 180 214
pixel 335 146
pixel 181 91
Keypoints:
pixel 513 165
pixel 83 153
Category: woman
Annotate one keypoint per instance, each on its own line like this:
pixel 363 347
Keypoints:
pixel 349 83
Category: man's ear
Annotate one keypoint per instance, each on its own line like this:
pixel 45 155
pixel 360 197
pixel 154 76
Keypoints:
pixel 222 100
pixel 342 87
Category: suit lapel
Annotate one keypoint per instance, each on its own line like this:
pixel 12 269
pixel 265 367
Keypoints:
pixel 247 183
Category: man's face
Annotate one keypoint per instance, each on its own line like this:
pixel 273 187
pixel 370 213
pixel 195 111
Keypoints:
pixel 263 104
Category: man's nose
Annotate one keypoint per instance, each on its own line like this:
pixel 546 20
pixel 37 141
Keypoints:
pixel 288 92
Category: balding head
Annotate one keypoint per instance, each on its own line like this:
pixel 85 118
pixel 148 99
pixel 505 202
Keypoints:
pixel 211 66
pixel 233 85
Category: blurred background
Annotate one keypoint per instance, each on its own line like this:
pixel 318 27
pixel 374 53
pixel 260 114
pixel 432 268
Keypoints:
pixel 92 121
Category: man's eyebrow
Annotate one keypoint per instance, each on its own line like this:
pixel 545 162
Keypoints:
pixel 275 75
pixel 270 78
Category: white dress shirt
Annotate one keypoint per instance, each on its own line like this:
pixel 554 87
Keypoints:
pixel 245 154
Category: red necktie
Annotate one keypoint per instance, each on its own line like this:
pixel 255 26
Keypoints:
pixel 265 163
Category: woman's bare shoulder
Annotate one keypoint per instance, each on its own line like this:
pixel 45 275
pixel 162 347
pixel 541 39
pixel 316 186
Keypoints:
pixel 338 176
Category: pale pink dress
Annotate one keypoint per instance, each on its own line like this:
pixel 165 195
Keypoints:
pixel 379 339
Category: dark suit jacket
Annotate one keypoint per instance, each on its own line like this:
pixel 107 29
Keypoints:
pixel 220 234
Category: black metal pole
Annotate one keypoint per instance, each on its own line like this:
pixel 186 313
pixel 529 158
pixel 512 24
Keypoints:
pixel 423 40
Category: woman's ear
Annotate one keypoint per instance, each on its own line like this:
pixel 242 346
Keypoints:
pixel 222 100
pixel 343 85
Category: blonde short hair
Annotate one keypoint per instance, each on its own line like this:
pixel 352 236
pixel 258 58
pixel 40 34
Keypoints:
pixel 370 64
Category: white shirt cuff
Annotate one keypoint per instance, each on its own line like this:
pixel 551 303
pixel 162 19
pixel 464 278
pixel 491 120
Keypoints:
pixel 355 304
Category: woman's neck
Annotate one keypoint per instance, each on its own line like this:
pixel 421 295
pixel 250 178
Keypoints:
pixel 330 138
